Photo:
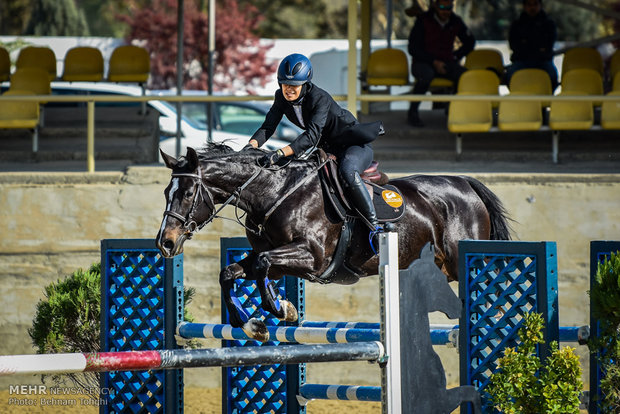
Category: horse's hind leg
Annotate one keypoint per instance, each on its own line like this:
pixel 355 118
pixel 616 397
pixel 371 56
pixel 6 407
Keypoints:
pixel 238 317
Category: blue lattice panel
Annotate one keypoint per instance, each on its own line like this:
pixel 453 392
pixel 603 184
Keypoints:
pixel 500 282
pixel 142 302
pixel 599 251
pixel 264 388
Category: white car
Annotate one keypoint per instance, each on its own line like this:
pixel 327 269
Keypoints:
pixel 235 122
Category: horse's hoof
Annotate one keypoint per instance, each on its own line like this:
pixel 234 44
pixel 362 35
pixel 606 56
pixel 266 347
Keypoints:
pixel 256 330
pixel 290 312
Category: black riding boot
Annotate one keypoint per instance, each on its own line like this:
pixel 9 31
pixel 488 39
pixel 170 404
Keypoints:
pixel 362 201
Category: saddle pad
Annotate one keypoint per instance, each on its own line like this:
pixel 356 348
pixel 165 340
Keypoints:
pixel 389 202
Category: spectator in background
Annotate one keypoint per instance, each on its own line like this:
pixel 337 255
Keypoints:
pixel 531 39
pixel 431 45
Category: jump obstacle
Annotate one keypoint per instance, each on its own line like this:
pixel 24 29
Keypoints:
pixel 147 274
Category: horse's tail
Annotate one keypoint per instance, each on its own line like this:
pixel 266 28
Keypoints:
pixel 500 230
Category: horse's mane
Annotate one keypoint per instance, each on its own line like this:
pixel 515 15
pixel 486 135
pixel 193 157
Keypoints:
pixel 215 151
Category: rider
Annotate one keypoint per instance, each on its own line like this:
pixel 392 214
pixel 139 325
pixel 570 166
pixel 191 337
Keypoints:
pixel 326 125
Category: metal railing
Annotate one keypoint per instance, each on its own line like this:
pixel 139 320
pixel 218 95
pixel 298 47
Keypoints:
pixel 90 101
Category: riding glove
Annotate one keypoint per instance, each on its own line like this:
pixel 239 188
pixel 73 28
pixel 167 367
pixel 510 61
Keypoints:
pixel 271 158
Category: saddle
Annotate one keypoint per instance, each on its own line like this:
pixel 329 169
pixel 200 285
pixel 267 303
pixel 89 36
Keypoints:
pixel 386 198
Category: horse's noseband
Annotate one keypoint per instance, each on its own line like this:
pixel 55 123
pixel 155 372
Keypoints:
pixel 189 223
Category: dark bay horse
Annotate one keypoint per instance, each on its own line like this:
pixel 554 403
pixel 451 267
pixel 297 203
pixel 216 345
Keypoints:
pixel 291 231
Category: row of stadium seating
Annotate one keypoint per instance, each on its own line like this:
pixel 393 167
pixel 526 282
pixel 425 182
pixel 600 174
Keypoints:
pixel 128 63
pixel 390 67
pixel 583 74
pixel 35 68
pixel 524 115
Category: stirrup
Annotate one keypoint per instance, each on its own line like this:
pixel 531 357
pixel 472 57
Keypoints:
pixel 371 236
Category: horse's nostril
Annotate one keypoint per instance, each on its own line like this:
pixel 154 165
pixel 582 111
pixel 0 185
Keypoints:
pixel 168 245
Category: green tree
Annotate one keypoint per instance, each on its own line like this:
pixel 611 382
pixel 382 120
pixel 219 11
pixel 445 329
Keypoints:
pixel 292 19
pixel 56 18
pixel 491 19
pixel 13 16
pixel 101 17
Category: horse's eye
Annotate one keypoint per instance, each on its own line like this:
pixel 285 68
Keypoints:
pixel 189 194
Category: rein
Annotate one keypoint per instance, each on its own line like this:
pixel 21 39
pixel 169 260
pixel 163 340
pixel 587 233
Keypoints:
pixel 291 191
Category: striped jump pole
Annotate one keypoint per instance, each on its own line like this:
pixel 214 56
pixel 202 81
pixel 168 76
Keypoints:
pixel 192 358
pixel 280 333
pixel 579 334
pixel 305 335
pixel 308 392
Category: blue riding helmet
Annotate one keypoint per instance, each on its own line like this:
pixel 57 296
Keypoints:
pixel 295 69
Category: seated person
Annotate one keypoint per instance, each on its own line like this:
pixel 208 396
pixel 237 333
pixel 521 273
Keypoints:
pixel 531 39
pixel 431 45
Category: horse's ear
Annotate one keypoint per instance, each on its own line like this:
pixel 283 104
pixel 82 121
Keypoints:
pixel 192 158
pixel 169 160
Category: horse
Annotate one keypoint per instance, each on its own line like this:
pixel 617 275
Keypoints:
pixel 428 291
pixel 293 231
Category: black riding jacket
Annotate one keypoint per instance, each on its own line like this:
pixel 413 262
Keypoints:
pixel 325 123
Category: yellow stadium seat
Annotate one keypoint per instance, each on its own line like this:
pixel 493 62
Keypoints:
pixel 616 82
pixel 485 59
pixel 34 80
pixel 387 67
pixel 569 115
pixel 531 81
pixel 31 79
pixel 582 58
pixel 83 64
pixel 470 116
pixel 38 57
pixel 467 117
pixel 614 64
pixel 5 65
pixel 21 115
pixel 441 83
pixel 519 115
pixel 129 64
pixel 478 82
pixel 610 112
pixel 587 81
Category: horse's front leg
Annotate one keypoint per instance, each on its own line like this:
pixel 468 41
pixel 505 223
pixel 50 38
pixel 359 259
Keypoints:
pixel 238 316
pixel 293 259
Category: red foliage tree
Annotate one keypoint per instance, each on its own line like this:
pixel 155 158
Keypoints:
pixel 239 59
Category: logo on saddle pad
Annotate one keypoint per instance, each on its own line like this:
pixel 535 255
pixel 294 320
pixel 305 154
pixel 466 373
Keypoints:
pixel 392 198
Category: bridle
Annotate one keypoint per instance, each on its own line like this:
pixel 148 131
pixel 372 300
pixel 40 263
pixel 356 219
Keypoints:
pixel 189 223
pixel 200 189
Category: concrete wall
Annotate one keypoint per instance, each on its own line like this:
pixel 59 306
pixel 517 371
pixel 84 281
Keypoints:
pixel 52 223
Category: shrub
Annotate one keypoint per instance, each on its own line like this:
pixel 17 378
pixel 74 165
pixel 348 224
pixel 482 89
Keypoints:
pixel 523 385
pixel 67 320
pixel 605 299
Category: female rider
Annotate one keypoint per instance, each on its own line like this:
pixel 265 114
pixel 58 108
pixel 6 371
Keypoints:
pixel 326 125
